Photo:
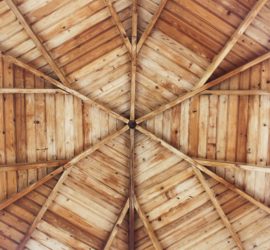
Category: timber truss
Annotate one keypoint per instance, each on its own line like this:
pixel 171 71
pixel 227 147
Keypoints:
pixel 133 124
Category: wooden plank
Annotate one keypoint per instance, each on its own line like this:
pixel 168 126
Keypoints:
pixel 151 25
pixel 119 221
pixel 119 24
pixel 62 86
pixel 148 226
pixel 31 91
pixel 203 88
pixel 27 166
pixel 37 41
pixel 218 208
pixel 231 42
pixel 204 169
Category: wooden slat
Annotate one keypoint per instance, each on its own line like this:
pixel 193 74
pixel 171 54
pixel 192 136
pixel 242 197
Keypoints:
pixel 31 91
pixel 204 169
pixel 63 87
pixel 151 25
pixel 203 88
pixel 232 165
pixel 116 226
pixel 26 166
pixel 218 208
pixel 148 227
pixel 119 24
pixel 231 42
pixel 37 41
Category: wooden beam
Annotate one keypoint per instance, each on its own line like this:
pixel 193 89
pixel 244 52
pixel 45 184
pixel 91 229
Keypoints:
pixel 30 188
pixel 204 169
pixel 236 92
pixel 133 60
pixel 37 41
pixel 148 226
pixel 68 167
pixel 118 24
pixel 203 88
pixel 27 166
pixel 151 25
pixel 31 91
pixel 231 42
pixel 232 165
pixel 131 226
pixel 58 84
pixel 218 208
pixel 48 177
pixel 119 221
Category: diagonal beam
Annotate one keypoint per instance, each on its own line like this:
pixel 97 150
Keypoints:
pixel 119 24
pixel 68 167
pixel 58 84
pixel 27 166
pixel 204 169
pixel 218 208
pixel 48 177
pixel 148 227
pixel 231 42
pixel 31 91
pixel 37 41
pixel 232 165
pixel 203 88
pixel 116 226
pixel 151 25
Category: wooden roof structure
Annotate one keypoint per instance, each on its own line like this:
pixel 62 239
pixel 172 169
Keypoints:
pixel 134 124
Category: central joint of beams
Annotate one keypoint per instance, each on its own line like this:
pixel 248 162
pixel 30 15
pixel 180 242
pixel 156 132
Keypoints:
pixel 132 124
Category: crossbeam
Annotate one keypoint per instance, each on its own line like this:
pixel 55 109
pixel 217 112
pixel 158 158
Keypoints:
pixel 197 91
pixel 31 91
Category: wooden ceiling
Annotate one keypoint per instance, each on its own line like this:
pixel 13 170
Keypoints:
pixel 134 124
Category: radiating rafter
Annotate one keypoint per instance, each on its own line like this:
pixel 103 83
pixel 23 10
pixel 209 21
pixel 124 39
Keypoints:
pixel 116 225
pixel 118 24
pixel 218 208
pixel 231 42
pixel 197 91
pixel 204 169
pixel 151 25
pixel 148 227
pixel 58 84
pixel 37 41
